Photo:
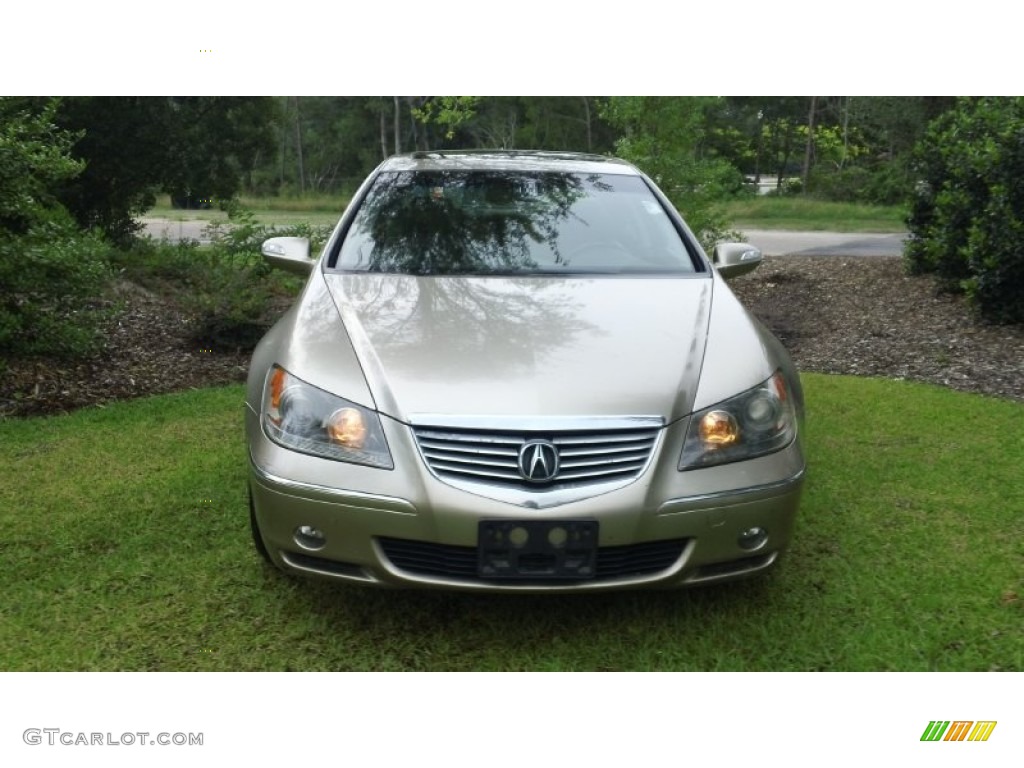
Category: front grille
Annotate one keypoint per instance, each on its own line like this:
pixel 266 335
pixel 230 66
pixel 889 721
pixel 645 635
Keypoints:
pixel 454 562
pixel 584 456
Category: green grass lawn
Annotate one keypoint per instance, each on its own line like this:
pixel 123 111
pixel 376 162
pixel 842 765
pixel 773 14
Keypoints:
pixel 769 212
pixel 803 214
pixel 278 211
pixel 125 546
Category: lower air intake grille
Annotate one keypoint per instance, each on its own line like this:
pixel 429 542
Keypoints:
pixel 453 562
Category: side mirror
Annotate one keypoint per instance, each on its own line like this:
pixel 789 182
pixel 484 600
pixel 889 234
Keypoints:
pixel 735 259
pixel 289 253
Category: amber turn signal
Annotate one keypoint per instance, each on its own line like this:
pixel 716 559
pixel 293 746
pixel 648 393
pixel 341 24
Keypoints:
pixel 277 379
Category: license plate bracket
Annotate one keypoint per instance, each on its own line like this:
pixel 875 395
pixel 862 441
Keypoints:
pixel 537 550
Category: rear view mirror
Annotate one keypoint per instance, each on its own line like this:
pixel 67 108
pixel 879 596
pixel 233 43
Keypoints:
pixel 289 253
pixel 735 259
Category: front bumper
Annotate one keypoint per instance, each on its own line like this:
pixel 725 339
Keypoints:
pixel 667 529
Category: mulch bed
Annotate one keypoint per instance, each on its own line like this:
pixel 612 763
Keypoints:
pixel 864 316
pixel 860 316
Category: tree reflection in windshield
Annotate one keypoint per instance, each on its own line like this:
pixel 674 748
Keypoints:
pixel 497 222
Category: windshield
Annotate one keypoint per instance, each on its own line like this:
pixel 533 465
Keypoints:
pixel 500 223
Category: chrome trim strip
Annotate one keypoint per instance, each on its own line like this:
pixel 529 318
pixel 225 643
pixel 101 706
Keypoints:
pixel 752 490
pixel 352 498
pixel 535 423
pixel 736 573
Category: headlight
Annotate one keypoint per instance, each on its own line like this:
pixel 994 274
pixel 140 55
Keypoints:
pixel 759 421
pixel 303 418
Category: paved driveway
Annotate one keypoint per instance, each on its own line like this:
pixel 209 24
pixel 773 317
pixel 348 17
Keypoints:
pixel 783 243
pixel 771 242
pixel 166 229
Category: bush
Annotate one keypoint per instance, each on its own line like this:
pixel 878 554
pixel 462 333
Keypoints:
pixel 52 274
pixel 231 292
pixel 882 185
pixel 51 283
pixel 967 213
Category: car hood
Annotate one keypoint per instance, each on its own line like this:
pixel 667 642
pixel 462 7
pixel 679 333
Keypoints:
pixel 526 346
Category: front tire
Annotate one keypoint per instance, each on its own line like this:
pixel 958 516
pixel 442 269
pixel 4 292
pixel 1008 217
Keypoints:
pixel 257 537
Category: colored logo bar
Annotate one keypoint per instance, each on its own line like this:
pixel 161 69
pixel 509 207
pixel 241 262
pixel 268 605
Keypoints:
pixel 958 730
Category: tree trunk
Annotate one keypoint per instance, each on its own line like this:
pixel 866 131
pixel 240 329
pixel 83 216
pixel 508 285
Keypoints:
pixel 383 135
pixel 805 177
pixel 760 149
pixel 846 130
pixel 398 126
pixel 298 147
pixel 787 146
pixel 586 112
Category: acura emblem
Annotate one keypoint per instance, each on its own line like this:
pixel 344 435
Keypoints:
pixel 538 461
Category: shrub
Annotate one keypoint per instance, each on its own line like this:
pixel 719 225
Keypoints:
pixel 232 289
pixel 882 184
pixel 51 274
pixel 51 282
pixel 967 213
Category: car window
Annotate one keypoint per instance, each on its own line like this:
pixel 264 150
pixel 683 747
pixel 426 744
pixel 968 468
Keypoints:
pixel 499 222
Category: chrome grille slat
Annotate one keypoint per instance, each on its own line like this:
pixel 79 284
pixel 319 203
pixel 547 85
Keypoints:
pixel 618 459
pixel 442 468
pixel 455 448
pixel 461 459
pixel 606 451
pixel 580 475
pixel 468 456
pixel 466 437
pixel 586 456
pixel 623 438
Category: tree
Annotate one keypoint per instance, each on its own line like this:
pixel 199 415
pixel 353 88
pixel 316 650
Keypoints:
pixel 663 137
pixel 34 160
pixel 448 112
pixel 50 273
pixel 134 147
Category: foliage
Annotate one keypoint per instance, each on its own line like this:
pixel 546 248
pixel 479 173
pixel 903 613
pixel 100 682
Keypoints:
pixel 230 289
pixel 34 158
pixel 662 137
pixel 967 215
pixel 447 112
pixel 857 151
pixel 327 145
pixel 51 281
pixel 51 274
pixel 135 146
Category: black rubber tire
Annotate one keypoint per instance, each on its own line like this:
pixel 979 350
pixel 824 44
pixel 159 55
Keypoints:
pixel 257 537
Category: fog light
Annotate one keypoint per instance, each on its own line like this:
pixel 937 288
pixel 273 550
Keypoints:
pixel 308 537
pixel 752 538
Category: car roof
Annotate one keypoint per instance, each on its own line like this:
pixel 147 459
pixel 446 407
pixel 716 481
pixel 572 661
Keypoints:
pixel 508 160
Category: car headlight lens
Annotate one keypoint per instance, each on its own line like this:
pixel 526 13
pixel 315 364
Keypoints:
pixel 304 418
pixel 759 421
